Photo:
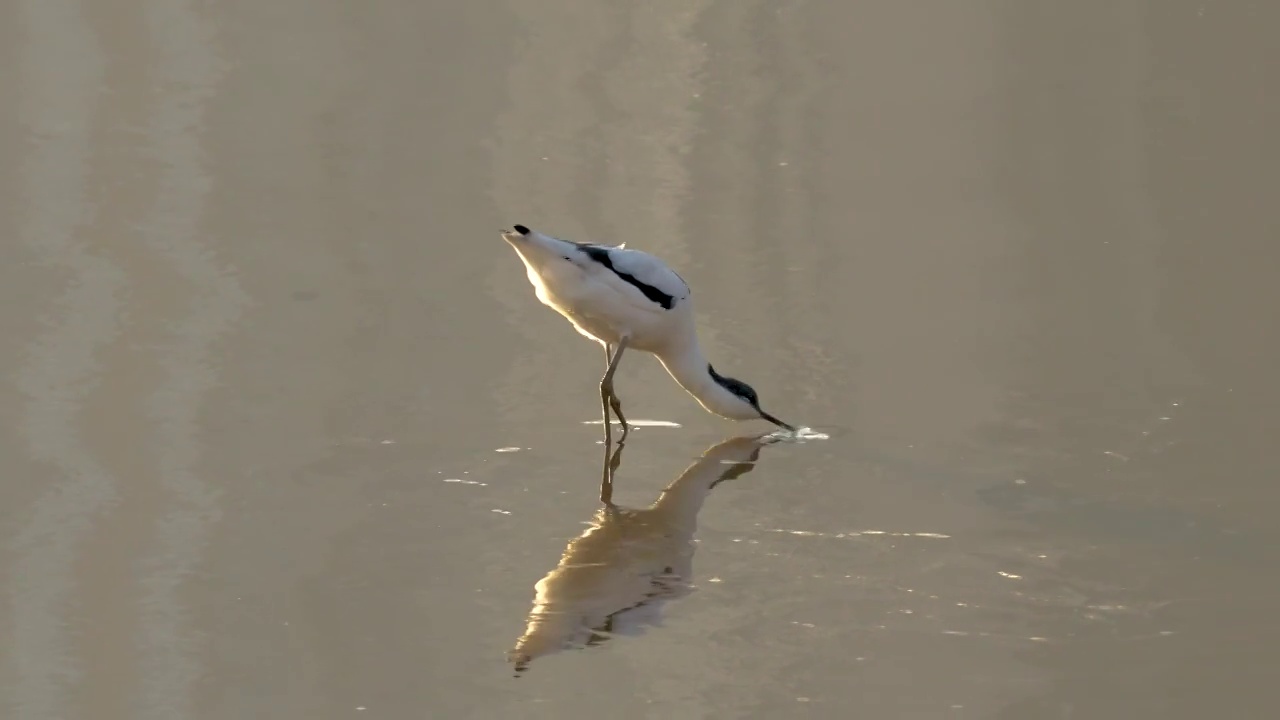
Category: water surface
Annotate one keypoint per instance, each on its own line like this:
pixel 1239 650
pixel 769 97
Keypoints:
pixel 287 435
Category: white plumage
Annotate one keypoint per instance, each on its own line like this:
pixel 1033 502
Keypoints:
pixel 628 298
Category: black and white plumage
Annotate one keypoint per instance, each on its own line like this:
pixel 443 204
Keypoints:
pixel 630 299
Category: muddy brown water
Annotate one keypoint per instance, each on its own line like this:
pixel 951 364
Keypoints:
pixel 285 433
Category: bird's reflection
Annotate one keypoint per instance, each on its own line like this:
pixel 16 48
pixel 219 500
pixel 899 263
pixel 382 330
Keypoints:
pixel 614 576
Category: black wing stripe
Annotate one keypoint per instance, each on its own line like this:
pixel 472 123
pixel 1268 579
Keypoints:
pixel 601 255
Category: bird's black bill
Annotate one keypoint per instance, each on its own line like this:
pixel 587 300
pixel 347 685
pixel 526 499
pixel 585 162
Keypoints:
pixel 775 421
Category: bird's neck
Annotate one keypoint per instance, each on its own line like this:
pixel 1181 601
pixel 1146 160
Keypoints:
pixel 690 368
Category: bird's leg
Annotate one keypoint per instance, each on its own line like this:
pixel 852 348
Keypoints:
pixel 604 403
pixel 616 404
pixel 607 398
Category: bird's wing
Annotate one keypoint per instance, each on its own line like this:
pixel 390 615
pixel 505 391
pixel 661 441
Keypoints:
pixel 650 271
pixel 638 275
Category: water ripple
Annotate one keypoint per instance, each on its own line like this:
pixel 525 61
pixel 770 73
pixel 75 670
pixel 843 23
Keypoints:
pixel 61 73
pixel 190 72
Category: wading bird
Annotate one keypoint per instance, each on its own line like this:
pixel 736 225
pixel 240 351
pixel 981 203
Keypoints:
pixel 630 299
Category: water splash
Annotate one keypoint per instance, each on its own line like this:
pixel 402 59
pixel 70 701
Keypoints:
pixel 801 434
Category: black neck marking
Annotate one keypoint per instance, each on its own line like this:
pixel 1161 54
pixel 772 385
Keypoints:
pixel 601 255
pixel 737 387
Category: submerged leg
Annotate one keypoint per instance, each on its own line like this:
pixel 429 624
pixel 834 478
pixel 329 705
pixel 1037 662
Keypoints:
pixel 607 398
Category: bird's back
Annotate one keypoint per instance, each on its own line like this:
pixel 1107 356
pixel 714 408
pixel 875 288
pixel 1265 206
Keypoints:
pixel 644 269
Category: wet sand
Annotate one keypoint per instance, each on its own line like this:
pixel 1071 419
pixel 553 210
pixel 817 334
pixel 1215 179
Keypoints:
pixel 286 434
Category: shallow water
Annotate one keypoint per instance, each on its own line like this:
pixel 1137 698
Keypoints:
pixel 286 434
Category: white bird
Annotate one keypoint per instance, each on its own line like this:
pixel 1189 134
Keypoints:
pixel 627 298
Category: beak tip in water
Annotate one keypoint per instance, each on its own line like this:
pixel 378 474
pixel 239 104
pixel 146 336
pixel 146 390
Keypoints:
pixel 776 421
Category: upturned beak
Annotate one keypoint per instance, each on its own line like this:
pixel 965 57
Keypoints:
pixel 776 421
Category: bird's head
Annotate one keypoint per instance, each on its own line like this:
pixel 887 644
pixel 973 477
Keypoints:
pixel 743 402
pixel 540 252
